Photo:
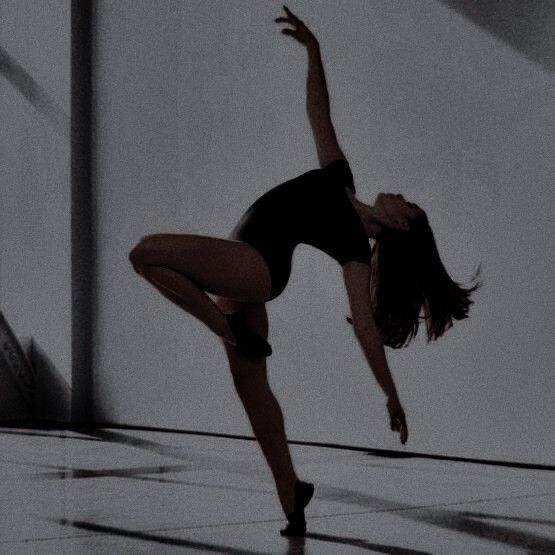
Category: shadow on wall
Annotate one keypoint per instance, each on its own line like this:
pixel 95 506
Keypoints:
pixel 525 25
pixel 13 405
pixel 17 377
pixel 35 94
pixel 30 384
pixel 52 395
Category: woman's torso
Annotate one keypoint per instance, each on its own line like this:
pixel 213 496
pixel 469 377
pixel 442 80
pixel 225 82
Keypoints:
pixel 316 208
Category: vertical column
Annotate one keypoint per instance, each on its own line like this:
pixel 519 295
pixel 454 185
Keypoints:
pixel 83 256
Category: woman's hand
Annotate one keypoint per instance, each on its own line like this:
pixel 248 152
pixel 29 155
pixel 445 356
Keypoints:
pixel 300 31
pixel 397 419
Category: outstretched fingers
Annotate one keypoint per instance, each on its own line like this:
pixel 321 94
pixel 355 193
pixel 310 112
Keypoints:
pixel 299 31
pixel 291 18
pixel 290 14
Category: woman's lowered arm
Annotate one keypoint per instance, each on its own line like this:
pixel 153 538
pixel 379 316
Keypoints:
pixel 357 281
pixel 317 97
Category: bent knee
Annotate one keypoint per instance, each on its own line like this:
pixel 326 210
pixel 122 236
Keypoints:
pixel 137 256
pixel 145 247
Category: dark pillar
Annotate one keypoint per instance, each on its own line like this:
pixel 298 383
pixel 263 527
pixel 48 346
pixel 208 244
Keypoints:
pixel 83 259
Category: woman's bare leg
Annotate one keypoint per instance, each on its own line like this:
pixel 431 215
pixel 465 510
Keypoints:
pixel 262 408
pixel 185 267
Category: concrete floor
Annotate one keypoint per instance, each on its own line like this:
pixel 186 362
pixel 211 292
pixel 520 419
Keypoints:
pixel 120 491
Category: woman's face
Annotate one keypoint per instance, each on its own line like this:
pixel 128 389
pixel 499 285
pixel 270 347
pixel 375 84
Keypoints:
pixel 395 212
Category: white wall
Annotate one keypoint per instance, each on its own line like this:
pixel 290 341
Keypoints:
pixel 200 109
pixel 35 292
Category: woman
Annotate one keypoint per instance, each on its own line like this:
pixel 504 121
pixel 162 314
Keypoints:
pixel 225 283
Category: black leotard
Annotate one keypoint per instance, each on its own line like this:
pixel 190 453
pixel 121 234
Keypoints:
pixel 314 209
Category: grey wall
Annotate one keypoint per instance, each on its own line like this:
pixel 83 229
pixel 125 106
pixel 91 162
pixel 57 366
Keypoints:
pixel 35 290
pixel 200 109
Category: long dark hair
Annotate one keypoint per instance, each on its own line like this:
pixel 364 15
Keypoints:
pixel 408 278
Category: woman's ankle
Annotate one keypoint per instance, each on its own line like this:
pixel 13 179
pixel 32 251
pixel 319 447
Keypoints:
pixel 286 490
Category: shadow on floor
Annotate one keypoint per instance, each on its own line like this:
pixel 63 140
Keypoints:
pixel 296 545
pixel 511 518
pixel 150 537
pixel 366 545
pixel 459 521
pixel 40 434
pixel 72 473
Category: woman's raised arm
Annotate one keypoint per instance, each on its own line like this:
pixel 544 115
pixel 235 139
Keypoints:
pixel 317 97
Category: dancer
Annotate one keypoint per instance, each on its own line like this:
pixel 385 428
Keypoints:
pixel 225 283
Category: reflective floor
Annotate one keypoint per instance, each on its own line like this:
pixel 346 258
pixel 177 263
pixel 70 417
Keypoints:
pixel 120 491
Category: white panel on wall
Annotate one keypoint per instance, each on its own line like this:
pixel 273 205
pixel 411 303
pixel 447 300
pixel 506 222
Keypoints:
pixel 35 273
pixel 200 109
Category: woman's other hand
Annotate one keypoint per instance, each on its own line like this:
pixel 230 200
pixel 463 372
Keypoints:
pixel 397 420
pixel 300 31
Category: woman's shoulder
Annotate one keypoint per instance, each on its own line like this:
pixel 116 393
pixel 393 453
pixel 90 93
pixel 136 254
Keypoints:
pixel 339 171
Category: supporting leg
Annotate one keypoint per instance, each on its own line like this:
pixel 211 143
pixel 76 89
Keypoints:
pixel 267 422
pixel 262 408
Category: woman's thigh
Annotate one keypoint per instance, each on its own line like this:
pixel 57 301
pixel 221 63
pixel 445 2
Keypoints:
pixel 223 267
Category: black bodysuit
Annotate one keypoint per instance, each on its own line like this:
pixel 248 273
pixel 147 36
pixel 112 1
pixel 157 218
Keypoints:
pixel 313 209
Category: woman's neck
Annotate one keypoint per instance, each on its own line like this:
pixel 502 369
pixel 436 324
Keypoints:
pixel 368 216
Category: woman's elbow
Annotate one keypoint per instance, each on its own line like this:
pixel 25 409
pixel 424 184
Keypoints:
pixel 366 330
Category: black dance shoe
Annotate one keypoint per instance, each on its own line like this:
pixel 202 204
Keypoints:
pixel 297 521
pixel 249 343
